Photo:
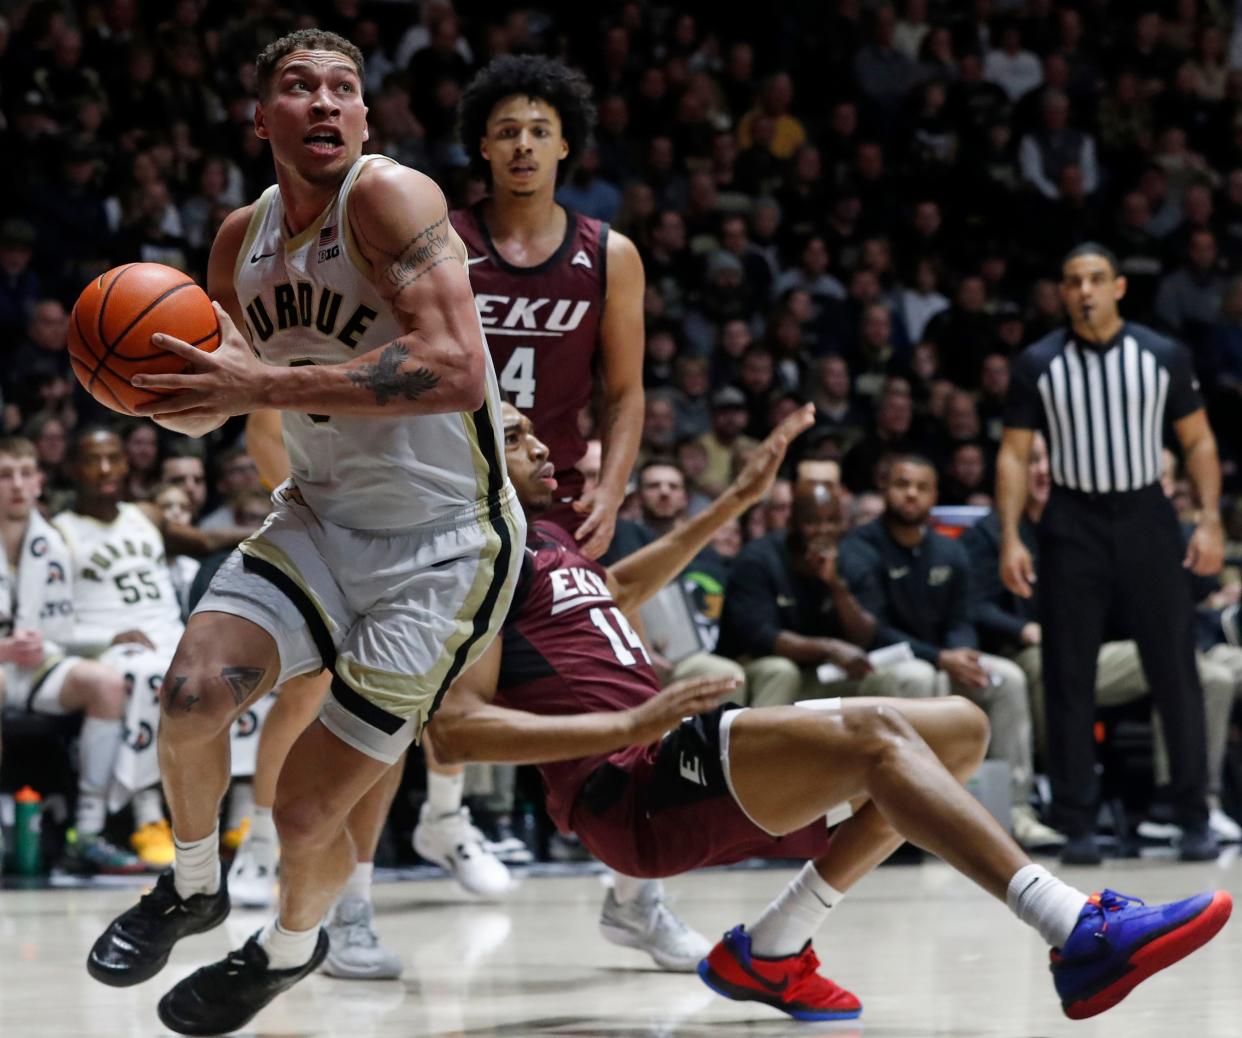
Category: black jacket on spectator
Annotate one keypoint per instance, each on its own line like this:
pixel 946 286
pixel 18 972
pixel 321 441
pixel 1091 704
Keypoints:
pixel 917 595
pixel 998 614
pixel 764 596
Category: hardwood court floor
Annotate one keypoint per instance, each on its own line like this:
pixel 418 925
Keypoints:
pixel 927 953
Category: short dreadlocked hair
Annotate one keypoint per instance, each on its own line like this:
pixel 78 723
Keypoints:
pixel 302 39
pixel 533 76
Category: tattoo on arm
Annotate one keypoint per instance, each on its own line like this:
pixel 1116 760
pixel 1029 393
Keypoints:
pixel 386 379
pixel 422 253
pixel 176 701
pixel 242 681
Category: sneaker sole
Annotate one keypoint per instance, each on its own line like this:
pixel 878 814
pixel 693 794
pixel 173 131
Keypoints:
pixel 1156 955
pixel 626 939
pixel 345 971
pixel 739 994
pixel 79 868
pixel 129 978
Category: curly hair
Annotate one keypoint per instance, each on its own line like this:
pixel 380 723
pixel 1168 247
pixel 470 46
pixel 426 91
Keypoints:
pixel 302 39
pixel 533 76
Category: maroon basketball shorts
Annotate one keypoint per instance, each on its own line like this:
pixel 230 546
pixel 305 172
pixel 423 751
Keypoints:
pixel 670 809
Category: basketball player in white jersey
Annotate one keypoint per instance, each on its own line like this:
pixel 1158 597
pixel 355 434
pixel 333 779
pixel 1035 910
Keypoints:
pixel 126 613
pixel 391 554
pixel 38 670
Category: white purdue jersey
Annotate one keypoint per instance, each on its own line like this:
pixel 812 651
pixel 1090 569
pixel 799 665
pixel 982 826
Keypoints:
pixel 120 579
pixel 309 300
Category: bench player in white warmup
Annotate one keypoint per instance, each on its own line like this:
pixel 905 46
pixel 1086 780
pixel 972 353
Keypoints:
pixel 126 612
pixel 38 670
pixel 391 553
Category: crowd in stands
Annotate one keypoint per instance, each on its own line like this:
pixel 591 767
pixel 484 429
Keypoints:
pixel 858 204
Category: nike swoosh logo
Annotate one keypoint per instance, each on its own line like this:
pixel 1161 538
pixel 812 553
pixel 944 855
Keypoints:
pixel 771 985
pixel 477 259
pixel 256 257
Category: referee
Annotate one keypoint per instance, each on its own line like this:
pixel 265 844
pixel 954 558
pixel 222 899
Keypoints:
pixel 1110 549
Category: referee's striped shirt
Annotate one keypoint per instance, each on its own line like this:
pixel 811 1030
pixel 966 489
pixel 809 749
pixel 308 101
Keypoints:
pixel 1103 408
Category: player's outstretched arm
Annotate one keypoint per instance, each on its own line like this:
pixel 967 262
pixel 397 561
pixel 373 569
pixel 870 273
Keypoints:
pixel 437 365
pixel 639 576
pixel 470 727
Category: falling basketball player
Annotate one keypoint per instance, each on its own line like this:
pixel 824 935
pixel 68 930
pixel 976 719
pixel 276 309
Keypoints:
pixel 568 687
pixel 391 554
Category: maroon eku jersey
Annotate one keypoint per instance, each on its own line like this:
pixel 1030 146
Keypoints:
pixel 542 328
pixel 568 649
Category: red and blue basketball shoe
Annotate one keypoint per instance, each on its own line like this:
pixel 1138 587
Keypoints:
pixel 1119 942
pixel 790 983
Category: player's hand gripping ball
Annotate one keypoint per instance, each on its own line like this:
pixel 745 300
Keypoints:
pixel 112 323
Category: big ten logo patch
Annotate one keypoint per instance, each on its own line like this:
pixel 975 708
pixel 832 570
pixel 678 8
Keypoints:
pixel 329 247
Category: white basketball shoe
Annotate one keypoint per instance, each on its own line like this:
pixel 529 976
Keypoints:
pixel 452 842
pixel 648 924
pixel 252 878
pixel 354 951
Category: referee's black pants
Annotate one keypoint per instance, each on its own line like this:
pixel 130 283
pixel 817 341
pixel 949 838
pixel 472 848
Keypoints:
pixel 1116 556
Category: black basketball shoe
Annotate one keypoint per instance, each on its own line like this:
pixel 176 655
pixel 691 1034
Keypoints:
pixel 138 942
pixel 224 996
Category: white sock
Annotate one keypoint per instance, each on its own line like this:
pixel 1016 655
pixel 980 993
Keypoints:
pixel 261 825
pixel 148 807
pixel 359 882
pixel 444 793
pixel 197 867
pixel 626 888
pixel 241 803
pixel 792 919
pixel 287 949
pixel 1042 901
pixel 91 814
pixel 97 748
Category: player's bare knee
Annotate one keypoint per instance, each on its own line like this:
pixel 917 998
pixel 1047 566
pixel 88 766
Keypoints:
pixel 194 704
pixel 304 824
pixel 882 733
pixel 105 689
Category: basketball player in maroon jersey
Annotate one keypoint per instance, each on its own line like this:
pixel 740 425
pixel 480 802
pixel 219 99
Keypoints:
pixel 560 295
pixel 653 791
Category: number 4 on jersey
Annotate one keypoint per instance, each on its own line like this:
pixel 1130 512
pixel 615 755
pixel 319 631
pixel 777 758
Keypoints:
pixel 518 377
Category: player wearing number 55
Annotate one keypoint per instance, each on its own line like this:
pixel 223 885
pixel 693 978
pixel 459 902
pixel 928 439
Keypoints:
pixel 559 293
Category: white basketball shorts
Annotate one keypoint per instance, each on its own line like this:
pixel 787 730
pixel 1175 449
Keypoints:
pixel 395 617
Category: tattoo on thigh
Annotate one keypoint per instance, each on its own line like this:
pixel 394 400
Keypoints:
pixel 386 379
pixel 242 681
pixel 176 699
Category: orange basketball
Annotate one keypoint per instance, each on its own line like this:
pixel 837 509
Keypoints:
pixel 112 323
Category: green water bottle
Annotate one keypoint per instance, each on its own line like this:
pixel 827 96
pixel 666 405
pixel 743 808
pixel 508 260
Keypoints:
pixel 28 832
